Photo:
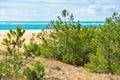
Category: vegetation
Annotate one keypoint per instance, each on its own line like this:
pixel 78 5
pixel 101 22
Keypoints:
pixel 68 42
pixel 96 48
pixel 35 73
pixel 16 56
pixel 107 52
pixel 32 49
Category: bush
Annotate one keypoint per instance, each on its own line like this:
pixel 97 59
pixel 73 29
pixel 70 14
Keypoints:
pixel 98 49
pixel 68 41
pixel 17 55
pixel 106 57
pixel 32 49
pixel 13 59
pixel 35 73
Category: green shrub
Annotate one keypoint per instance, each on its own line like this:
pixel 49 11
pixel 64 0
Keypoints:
pixel 13 59
pixel 17 55
pixel 35 73
pixel 106 57
pixel 32 48
pixel 72 59
pixel 96 48
pixel 68 41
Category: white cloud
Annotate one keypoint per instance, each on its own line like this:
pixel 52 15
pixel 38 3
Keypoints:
pixel 107 1
pixel 94 12
pixel 102 8
pixel 49 9
pixel 61 1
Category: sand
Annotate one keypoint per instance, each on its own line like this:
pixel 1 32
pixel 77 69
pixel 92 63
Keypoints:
pixel 27 35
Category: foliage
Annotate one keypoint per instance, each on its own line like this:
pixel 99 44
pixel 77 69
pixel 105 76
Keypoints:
pixel 68 41
pixel 96 48
pixel 35 73
pixel 64 13
pixel 107 42
pixel 32 48
pixel 12 60
pixel 16 55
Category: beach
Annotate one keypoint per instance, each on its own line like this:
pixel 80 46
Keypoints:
pixel 27 35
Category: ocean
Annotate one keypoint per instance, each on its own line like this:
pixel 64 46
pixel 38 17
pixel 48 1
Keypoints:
pixel 36 25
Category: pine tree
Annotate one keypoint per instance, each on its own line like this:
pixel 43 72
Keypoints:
pixel 107 52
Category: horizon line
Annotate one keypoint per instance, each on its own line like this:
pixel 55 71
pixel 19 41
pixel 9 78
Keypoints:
pixel 48 21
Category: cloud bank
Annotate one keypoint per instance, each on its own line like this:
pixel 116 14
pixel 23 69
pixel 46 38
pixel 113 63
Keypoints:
pixel 49 9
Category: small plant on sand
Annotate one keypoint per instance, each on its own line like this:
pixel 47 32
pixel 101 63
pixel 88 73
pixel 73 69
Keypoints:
pixel 13 59
pixel 32 49
pixel 16 55
pixel 35 73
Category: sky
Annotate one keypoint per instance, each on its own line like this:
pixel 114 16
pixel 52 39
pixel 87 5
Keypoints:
pixel 47 10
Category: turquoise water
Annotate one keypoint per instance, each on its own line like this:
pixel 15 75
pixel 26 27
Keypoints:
pixel 36 25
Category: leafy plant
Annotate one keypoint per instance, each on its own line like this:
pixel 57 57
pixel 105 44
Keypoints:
pixel 32 48
pixel 107 52
pixel 65 13
pixel 96 48
pixel 35 73
pixel 12 59
pixel 68 41
pixel 16 55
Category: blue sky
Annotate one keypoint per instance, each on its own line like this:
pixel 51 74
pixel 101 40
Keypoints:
pixel 41 10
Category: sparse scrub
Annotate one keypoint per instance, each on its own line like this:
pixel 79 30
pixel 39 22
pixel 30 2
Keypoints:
pixel 16 55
